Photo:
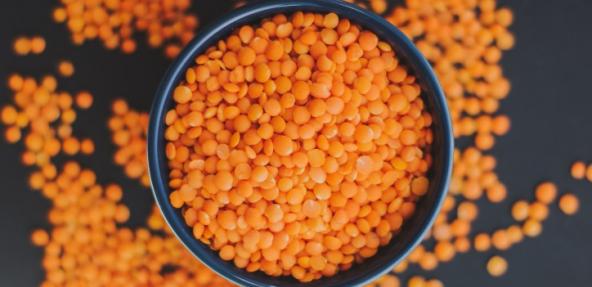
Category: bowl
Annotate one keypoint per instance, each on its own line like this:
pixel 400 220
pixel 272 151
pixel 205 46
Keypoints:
pixel 427 208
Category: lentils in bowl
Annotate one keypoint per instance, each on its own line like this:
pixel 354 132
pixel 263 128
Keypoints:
pixel 298 146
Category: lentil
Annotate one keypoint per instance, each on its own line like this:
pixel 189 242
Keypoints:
pixel 578 170
pixel 546 192
pixel 569 204
pixel 66 68
pixel 39 237
pixel 128 129
pixel 86 213
pixel 485 123
pixel 166 23
pixel 37 45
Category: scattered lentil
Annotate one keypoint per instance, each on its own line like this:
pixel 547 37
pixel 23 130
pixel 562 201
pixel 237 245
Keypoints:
pixel 39 237
pixel 416 281
pixel 66 68
pixel 546 192
pixel 85 216
pixel 589 173
pixel 569 204
pixel 128 133
pixel 470 121
pixel 84 100
pixel 497 266
pixel 578 170
pixel 21 46
pixel 167 23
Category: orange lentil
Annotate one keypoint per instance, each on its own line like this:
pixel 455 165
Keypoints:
pixel 444 251
pixel 462 244
pixel 419 185
pixel 401 267
pixel 497 266
pixel 515 233
pixel 87 146
pixel 71 146
pixel 467 211
pixel 500 125
pixel 496 193
pixel 168 24
pixel 569 204
pixel 484 141
pixel 409 26
pixel 532 228
pixel 368 41
pixel 589 173
pixel 520 210
pixel 428 261
pixel 182 94
pixel 15 82
pixel 538 211
pixel 84 100
pixel 387 280
pixel 286 124
pixel 37 45
pixel 12 134
pixel 416 281
pixel 39 237
pixel 578 170
pixel 379 7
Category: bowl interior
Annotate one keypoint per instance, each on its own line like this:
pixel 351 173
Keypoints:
pixel 428 206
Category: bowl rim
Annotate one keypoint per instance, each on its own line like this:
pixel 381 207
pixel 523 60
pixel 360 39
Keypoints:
pixel 220 28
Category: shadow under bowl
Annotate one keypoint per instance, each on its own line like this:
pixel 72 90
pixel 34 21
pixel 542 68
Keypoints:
pixel 442 148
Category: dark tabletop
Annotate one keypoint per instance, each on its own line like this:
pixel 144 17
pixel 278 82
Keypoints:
pixel 550 70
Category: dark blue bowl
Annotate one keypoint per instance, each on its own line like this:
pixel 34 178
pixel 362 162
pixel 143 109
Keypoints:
pixel 428 207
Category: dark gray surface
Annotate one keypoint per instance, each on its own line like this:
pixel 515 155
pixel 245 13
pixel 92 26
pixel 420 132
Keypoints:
pixel 550 70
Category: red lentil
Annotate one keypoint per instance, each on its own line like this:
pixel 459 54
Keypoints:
pixel 166 23
pixel 497 266
pixel 569 204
